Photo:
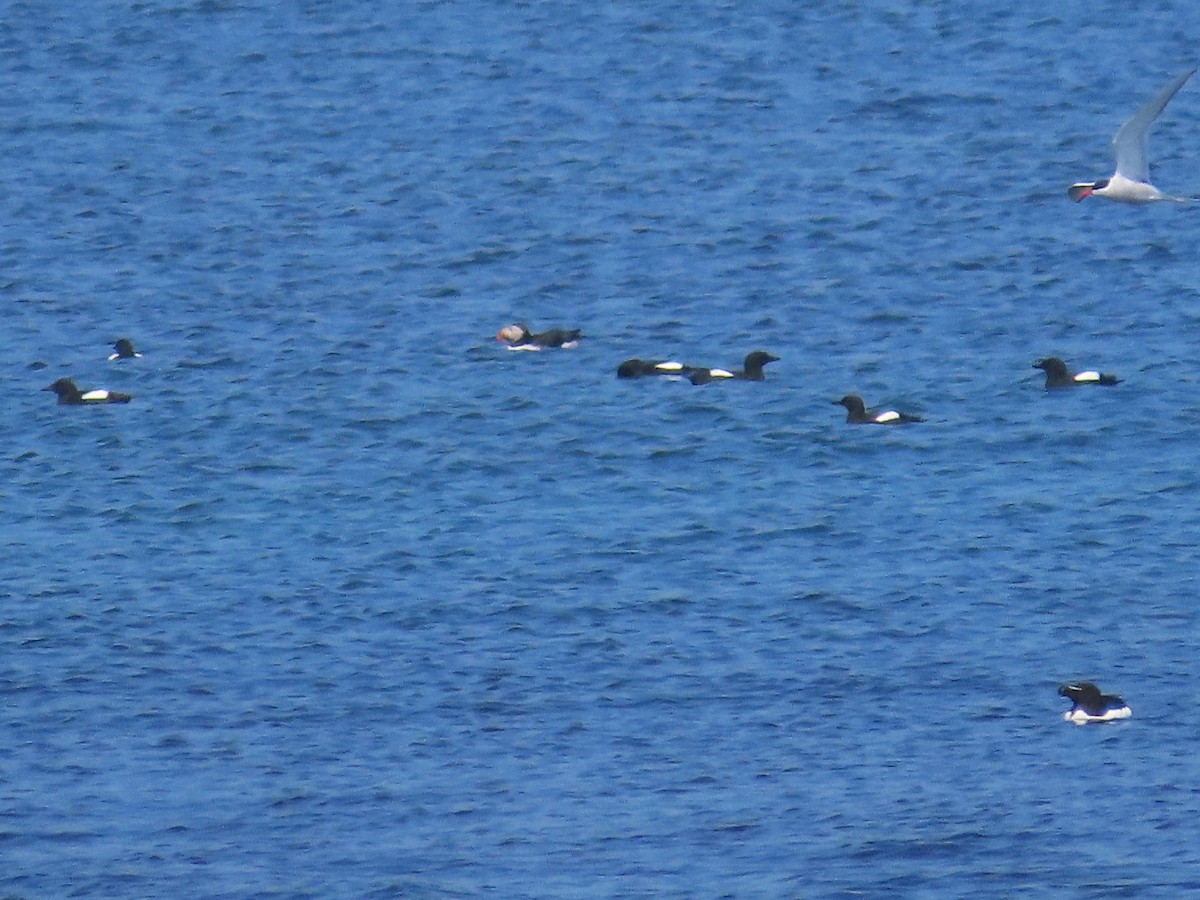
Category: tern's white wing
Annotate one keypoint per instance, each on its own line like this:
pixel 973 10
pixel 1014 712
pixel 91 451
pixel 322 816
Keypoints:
pixel 1130 139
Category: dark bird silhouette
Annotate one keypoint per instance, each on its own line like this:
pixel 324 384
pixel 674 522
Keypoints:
pixel 752 369
pixel 1088 704
pixel 858 414
pixel 124 350
pixel 70 395
pixel 641 368
pixel 1059 376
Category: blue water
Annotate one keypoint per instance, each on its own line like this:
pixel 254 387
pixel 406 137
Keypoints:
pixel 350 601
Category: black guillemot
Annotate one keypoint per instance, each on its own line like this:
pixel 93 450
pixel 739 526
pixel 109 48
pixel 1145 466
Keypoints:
pixel 124 350
pixel 1059 376
pixel 1089 705
pixel 858 414
pixel 642 368
pixel 70 395
pixel 752 369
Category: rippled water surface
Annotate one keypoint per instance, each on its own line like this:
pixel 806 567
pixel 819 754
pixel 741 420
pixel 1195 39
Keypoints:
pixel 351 601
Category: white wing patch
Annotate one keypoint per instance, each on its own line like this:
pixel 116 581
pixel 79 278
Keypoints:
pixel 669 366
pixel 890 416
pixel 95 395
pixel 1085 377
pixel 1081 717
pixel 720 373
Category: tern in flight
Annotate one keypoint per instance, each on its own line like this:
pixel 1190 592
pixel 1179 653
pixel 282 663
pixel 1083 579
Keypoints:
pixel 1131 182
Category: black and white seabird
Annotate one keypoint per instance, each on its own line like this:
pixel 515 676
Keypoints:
pixel 70 395
pixel 124 350
pixel 1089 705
pixel 1059 376
pixel 752 369
pixel 642 368
pixel 858 414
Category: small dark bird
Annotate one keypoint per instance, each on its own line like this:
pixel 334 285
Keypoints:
pixel 70 395
pixel 124 348
pixel 752 369
pixel 1089 705
pixel 1059 376
pixel 640 368
pixel 858 414
pixel 518 337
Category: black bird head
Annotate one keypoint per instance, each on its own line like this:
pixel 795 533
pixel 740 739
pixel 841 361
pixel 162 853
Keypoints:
pixel 754 362
pixel 64 386
pixel 854 405
pixel 1088 697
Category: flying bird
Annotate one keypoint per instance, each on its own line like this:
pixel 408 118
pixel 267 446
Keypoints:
pixel 1130 183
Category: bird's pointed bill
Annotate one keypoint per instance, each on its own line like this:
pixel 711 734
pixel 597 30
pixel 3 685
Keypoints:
pixel 1078 191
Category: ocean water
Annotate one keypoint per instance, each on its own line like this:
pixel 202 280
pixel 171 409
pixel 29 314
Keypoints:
pixel 351 601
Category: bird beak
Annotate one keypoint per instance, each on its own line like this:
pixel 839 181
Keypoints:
pixel 1078 192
